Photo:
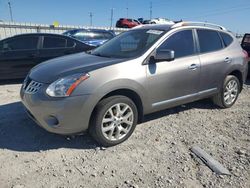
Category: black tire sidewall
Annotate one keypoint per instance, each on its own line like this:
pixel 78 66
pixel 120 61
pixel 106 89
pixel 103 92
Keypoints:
pixel 227 80
pixel 101 109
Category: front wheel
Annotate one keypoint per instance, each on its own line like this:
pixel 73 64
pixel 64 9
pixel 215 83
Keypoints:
pixel 229 93
pixel 114 120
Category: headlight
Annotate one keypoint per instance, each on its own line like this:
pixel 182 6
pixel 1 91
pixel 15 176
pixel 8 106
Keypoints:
pixel 63 87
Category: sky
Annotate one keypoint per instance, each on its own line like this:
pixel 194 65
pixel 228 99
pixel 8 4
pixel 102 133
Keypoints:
pixel 233 14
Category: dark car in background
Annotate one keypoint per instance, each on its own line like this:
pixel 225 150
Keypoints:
pixel 20 53
pixel 245 44
pixel 127 23
pixel 93 37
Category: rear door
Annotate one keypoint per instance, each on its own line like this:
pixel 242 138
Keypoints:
pixel 17 56
pixel 214 59
pixel 55 46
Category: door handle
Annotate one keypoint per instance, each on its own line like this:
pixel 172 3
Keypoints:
pixel 227 60
pixel 193 67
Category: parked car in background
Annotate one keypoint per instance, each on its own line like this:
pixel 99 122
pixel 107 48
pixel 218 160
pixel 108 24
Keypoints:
pixel 245 44
pixel 20 53
pixel 127 23
pixel 160 21
pixel 143 70
pixel 93 37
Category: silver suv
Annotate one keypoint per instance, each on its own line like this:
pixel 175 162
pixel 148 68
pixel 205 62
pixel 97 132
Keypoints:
pixel 108 90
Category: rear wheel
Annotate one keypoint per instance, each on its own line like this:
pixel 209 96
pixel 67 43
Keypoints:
pixel 229 93
pixel 114 120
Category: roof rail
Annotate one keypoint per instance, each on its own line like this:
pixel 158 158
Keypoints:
pixel 179 24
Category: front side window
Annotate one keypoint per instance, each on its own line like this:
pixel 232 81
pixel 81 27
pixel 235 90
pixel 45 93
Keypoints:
pixel 129 44
pixel 209 40
pixel 181 43
pixel 54 42
pixel 70 43
pixel 20 43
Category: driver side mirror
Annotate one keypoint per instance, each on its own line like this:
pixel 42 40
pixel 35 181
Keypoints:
pixel 164 55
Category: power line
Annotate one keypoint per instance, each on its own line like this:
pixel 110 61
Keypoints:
pixel 221 12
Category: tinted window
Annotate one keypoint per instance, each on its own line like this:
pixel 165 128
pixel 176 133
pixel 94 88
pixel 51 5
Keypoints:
pixel 181 43
pixel 209 41
pixel 85 36
pixel 227 39
pixel 108 35
pixel 70 43
pixel 1 46
pixel 21 43
pixel 54 42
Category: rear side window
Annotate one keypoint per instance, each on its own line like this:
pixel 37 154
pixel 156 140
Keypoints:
pixel 70 43
pixel 209 41
pixel 54 42
pixel 227 39
pixel 21 43
pixel 181 43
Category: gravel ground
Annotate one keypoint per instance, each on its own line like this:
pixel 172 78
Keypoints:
pixel 156 155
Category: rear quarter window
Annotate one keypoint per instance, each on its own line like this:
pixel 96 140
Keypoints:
pixel 209 40
pixel 54 42
pixel 227 39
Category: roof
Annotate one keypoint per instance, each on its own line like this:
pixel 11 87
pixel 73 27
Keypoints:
pixel 164 27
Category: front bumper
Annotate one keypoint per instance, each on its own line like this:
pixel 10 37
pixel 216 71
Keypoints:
pixel 69 115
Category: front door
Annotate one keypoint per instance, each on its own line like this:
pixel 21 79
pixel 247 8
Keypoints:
pixel 178 80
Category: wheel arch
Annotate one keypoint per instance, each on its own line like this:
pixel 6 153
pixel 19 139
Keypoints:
pixel 238 74
pixel 131 94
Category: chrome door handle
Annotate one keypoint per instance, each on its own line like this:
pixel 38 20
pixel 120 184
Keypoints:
pixel 193 66
pixel 227 60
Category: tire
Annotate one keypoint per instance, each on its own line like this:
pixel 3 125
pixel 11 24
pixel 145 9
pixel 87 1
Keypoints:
pixel 118 126
pixel 222 99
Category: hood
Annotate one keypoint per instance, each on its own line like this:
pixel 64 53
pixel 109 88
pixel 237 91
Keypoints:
pixel 53 69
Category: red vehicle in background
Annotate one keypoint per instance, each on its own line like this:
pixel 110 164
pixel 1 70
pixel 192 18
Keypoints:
pixel 127 23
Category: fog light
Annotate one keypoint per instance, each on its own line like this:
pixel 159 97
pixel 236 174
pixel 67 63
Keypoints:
pixel 52 121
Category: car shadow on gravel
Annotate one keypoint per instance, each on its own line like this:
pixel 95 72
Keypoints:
pixel 19 133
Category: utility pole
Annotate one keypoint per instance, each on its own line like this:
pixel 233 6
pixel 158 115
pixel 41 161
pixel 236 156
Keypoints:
pixel 150 10
pixel 91 17
pixel 111 17
pixel 127 9
pixel 10 9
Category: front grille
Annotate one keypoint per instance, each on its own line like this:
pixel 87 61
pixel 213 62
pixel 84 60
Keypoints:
pixel 32 87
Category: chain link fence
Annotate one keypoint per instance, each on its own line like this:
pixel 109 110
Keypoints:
pixel 8 29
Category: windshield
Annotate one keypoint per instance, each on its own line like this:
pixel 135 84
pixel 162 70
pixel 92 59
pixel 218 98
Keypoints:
pixel 129 44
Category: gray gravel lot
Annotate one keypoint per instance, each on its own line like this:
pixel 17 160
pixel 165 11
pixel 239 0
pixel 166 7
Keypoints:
pixel 156 155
